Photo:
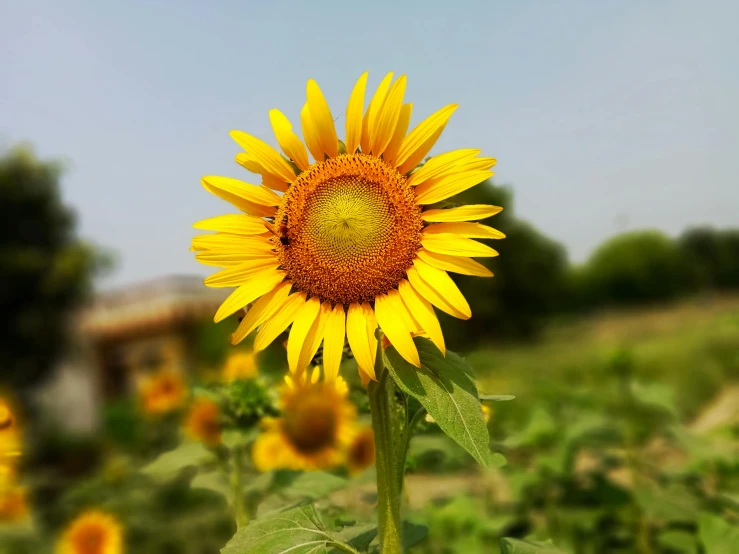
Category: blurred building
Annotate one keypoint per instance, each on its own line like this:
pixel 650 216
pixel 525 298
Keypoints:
pixel 127 332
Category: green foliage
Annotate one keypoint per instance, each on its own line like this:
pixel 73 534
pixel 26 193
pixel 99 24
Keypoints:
pixel 46 271
pixel 445 388
pixel 516 546
pixel 636 267
pixel 713 256
pixel 248 401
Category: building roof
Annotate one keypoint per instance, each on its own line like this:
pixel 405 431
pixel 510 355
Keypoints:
pixel 151 305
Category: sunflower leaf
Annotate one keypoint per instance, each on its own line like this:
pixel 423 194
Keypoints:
pixel 298 531
pixel 169 464
pixel 445 387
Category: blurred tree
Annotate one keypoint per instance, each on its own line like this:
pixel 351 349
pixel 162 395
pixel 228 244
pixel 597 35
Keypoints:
pixel 45 272
pixel 530 280
pixel 713 255
pixel 635 267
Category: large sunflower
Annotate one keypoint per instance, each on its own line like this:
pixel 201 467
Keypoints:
pixel 350 243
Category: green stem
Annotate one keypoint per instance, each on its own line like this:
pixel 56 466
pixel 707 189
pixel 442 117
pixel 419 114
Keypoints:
pixel 388 457
pixel 237 471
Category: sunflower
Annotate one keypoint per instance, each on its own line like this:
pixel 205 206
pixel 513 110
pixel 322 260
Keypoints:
pixel 240 366
pixel 10 439
pixel 92 533
pixel 162 392
pixel 13 505
pixel 203 422
pixel 361 453
pixel 315 429
pixel 352 241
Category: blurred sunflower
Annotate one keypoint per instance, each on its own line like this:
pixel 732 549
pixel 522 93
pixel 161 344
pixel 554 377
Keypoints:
pixel 314 431
pixel 10 436
pixel 92 533
pixel 240 366
pixel 13 505
pixel 361 452
pixel 203 422
pixel 352 236
pixel 162 392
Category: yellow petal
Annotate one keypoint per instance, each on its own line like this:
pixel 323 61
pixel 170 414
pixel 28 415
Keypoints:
pixel 239 274
pixel 274 183
pixel 228 258
pixel 354 115
pixel 438 300
pixel 461 213
pixel 418 143
pixel 443 284
pixel 302 324
pixel 230 242
pixel 310 135
pixel 269 180
pixel 433 190
pixel 249 163
pixel 454 245
pixel 259 284
pixel 382 131
pixel 469 230
pixel 252 193
pixel 333 343
pixel 265 155
pixel 372 110
pixel 238 224
pixel 275 325
pixel 387 309
pixel 438 165
pixel 315 336
pixel 359 331
pixel 457 264
pixel 252 208
pixel 263 309
pixel 291 145
pixel 401 129
pixel 423 312
pixel 322 119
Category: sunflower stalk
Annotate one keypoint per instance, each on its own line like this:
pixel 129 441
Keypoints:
pixel 389 458
pixel 237 471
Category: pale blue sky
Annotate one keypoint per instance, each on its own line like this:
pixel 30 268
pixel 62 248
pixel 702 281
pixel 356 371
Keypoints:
pixel 601 114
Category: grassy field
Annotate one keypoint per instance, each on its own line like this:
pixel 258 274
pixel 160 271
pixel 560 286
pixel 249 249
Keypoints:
pixel 692 347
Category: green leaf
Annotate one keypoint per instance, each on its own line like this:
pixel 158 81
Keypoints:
pixel 169 464
pixel 518 546
pixel 497 397
pixel 678 540
pixel 444 386
pixel 413 533
pixel 297 531
pixel 357 536
pixel 214 481
pixel 309 485
pixel 671 503
pixel 717 535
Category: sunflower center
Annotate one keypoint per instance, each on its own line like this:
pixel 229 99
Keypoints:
pixel 6 418
pixel 350 229
pixel 90 541
pixel 311 424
